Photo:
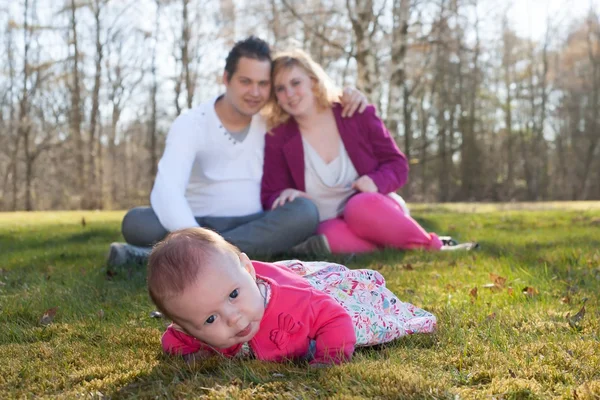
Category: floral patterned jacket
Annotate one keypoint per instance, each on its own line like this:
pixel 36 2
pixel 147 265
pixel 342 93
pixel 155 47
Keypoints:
pixel 295 315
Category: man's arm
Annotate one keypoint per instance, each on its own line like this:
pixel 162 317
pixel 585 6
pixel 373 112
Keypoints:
pixel 353 100
pixel 168 194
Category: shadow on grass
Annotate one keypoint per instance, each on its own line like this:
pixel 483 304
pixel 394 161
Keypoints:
pixel 48 240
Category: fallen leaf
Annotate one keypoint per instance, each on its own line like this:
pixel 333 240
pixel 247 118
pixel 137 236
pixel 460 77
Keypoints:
pixel 110 274
pixel 512 374
pixel 576 319
pixel 492 287
pixel 566 300
pixel 473 294
pixel 48 316
pixel 450 288
pixel 498 280
pixel 529 291
pixel 491 316
pixel 408 267
pixel 510 290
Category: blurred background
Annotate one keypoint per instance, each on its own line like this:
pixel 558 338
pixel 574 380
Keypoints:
pixel 489 100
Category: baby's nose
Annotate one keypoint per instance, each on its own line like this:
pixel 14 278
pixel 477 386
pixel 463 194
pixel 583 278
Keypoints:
pixel 234 317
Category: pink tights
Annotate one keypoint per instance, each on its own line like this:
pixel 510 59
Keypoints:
pixel 372 221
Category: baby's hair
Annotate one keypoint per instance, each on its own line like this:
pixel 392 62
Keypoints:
pixel 176 261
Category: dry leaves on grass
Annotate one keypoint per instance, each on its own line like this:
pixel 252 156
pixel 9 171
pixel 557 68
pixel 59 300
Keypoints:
pixel 498 283
pixel 529 291
pixel 110 274
pixel 48 316
pixel 575 320
pixel 473 294
pixel 408 267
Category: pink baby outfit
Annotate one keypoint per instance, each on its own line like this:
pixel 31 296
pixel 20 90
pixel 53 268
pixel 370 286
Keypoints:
pixel 328 304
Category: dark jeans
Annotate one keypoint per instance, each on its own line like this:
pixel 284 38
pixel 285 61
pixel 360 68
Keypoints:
pixel 265 233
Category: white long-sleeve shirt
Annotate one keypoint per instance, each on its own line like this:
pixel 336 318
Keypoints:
pixel 205 172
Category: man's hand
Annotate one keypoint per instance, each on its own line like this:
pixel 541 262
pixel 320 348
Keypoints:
pixel 288 195
pixel 352 100
pixel 364 184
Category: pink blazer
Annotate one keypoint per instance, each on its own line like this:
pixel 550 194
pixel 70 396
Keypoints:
pixel 368 143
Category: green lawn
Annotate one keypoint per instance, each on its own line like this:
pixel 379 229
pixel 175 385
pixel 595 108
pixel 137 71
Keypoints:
pixel 516 339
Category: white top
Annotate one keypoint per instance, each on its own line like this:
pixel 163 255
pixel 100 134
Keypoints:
pixel 328 185
pixel 205 172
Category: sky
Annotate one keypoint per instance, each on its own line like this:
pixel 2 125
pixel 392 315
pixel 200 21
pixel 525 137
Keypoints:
pixel 530 16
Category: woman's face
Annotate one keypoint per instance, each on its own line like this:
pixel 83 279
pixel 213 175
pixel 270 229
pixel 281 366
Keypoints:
pixel 294 91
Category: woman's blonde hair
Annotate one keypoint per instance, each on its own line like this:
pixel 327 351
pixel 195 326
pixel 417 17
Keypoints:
pixel 325 91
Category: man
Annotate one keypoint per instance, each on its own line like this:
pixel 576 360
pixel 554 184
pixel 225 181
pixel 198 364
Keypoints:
pixel 211 168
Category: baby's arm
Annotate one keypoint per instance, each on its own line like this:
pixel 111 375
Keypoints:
pixel 332 330
pixel 176 342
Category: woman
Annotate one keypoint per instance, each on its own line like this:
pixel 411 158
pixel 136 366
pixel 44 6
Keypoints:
pixel 347 166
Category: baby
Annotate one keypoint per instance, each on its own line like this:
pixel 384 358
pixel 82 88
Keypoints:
pixel 222 302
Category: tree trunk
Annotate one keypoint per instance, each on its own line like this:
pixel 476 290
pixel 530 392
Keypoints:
pixel 75 112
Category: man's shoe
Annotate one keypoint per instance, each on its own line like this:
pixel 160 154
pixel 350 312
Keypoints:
pixel 316 245
pixel 461 247
pixel 124 253
pixel 448 240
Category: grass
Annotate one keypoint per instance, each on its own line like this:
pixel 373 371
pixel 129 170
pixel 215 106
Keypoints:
pixel 499 343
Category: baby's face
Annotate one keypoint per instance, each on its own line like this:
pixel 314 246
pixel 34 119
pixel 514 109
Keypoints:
pixel 224 306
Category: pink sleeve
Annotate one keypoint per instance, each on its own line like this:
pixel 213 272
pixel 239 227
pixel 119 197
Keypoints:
pixel 333 331
pixel 392 172
pixel 175 342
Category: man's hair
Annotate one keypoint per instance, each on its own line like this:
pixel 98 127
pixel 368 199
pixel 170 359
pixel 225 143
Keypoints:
pixel 176 262
pixel 325 91
pixel 251 47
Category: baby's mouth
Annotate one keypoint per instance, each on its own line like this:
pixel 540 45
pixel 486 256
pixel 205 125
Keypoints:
pixel 245 331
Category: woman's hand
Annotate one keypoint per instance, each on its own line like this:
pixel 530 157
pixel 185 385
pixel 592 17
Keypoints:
pixel 288 195
pixel 352 100
pixel 365 184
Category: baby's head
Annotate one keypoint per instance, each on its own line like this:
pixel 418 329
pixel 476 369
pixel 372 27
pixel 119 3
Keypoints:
pixel 206 286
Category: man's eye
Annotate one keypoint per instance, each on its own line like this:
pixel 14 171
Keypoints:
pixel 210 319
pixel 234 294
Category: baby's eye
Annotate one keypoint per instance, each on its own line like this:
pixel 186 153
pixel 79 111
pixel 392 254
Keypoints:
pixel 210 319
pixel 234 294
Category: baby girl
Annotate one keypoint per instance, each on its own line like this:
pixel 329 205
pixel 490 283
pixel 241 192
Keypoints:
pixel 222 302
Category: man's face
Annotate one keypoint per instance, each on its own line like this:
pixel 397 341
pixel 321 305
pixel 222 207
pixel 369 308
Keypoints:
pixel 224 306
pixel 249 87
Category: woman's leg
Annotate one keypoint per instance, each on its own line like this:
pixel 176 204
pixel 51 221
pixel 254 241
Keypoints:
pixel 379 219
pixel 341 239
